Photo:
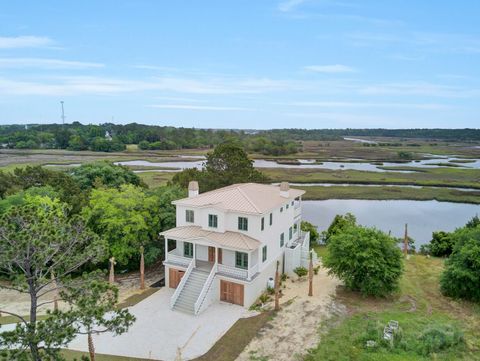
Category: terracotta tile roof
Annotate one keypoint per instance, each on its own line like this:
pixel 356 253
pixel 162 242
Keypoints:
pixel 228 239
pixel 243 197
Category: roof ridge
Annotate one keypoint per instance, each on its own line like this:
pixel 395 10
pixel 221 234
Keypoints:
pixel 248 199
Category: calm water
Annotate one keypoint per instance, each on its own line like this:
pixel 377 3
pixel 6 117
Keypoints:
pixel 423 217
pixel 308 164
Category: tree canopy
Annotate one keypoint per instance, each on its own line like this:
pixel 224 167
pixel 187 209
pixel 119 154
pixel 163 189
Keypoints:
pixel 41 247
pixel 227 164
pixel 104 173
pixel 365 259
pixel 130 217
pixel 339 223
pixel 461 277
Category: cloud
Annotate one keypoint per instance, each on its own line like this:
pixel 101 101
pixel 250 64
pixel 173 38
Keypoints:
pixel 289 5
pixel 74 85
pixel 196 107
pixel 418 88
pixel 24 42
pixel 423 41
pixel 336 104
pixel 336 68
pixel 46 63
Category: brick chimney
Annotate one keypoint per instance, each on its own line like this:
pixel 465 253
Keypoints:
pixel 285 189
pixel 192 189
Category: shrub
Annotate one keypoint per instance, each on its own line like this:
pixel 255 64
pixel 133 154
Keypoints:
pixel 435 339
pixel 461 277
pixel 366 259
pixel 300 271
pixel 339 223
pixel 316 269
pixel 441 244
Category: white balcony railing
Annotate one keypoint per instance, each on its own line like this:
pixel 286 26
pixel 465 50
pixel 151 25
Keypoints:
pixel 206 287
pixel 239 273
pixel 176 259
pixel 179 288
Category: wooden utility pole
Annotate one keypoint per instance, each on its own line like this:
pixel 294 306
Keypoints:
pixel 111 277
pixel 405 241
pixel 142 269
pixel 310 275
pixel 277 286
pixel 55 292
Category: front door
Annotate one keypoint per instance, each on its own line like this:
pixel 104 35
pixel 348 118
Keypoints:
pixel 231 292
pixel 211 254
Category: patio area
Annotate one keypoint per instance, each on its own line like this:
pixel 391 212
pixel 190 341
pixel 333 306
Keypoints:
pixel 160 333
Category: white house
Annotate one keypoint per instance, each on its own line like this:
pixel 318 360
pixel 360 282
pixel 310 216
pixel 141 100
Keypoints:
pixel 227 243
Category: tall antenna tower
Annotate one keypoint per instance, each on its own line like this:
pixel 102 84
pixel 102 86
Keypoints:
pixel 63 113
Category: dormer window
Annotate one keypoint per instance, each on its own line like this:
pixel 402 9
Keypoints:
pixel 213 220
pixel 281 209
pixel 243 223
pixel 286 206
pixel 189 216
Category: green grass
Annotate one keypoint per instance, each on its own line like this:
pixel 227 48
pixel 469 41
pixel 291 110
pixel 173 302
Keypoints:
pixel 418 305
pixel 156 179
pixel 453 177
pixel 391 193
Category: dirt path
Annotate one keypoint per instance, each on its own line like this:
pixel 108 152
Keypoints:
pixel 294 329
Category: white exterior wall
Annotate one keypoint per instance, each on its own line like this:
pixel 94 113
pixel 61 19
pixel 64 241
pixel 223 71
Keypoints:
pixel 270 236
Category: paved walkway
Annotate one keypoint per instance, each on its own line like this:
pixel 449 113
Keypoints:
pixel 159 332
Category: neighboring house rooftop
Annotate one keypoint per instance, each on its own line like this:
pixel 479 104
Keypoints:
pixel 244 197
pixel 228 239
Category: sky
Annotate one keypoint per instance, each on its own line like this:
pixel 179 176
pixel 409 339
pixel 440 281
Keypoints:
pixel 256 64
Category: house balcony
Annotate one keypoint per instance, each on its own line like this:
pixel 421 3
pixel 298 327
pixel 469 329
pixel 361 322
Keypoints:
pixel 206 257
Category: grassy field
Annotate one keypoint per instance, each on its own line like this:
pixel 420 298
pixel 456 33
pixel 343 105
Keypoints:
pixel 391 193
pixel 417 306
pixel 452 177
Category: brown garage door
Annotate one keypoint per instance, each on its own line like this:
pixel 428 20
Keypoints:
pixel 174 277
pixel 231 292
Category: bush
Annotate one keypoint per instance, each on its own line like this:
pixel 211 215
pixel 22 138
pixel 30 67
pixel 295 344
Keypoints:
pixel 366 259
pixel 339 223
pixel 300 271
pixel 308 227
pixel 435 339
pixel 461 277
pixel 441 244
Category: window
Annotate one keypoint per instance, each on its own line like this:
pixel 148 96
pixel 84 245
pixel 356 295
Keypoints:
pixel 282 240
pixel 188 249
pixel 271 218
pixel 264 253
pixel 263 223
pixel 290 233
pixel 241 260
pixel 295 228
pixel 243 223
pixel 281 209
pixel 292 203
pixel 287 206
pixel 213 220
pixel 189 216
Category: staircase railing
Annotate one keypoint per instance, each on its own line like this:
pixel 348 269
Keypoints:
pixel 205 289
pixel 181 284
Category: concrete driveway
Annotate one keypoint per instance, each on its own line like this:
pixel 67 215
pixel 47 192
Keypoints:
pixel 160 333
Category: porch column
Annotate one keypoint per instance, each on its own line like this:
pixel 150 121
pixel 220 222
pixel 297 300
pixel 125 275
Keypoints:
pixel 216 259
pixel 194 259
pixel 166 248
pixel 249 276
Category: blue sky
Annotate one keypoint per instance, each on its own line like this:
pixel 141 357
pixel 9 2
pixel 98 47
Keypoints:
pixel 242 64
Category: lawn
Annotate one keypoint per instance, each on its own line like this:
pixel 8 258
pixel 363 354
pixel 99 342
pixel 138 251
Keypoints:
pixel 417 306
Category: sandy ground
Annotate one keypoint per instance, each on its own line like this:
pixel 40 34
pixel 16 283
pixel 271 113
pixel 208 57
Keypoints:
pixel 294 329
pixel 15 302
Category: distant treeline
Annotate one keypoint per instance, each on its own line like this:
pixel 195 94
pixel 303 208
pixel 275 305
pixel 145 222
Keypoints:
pixel 112 137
